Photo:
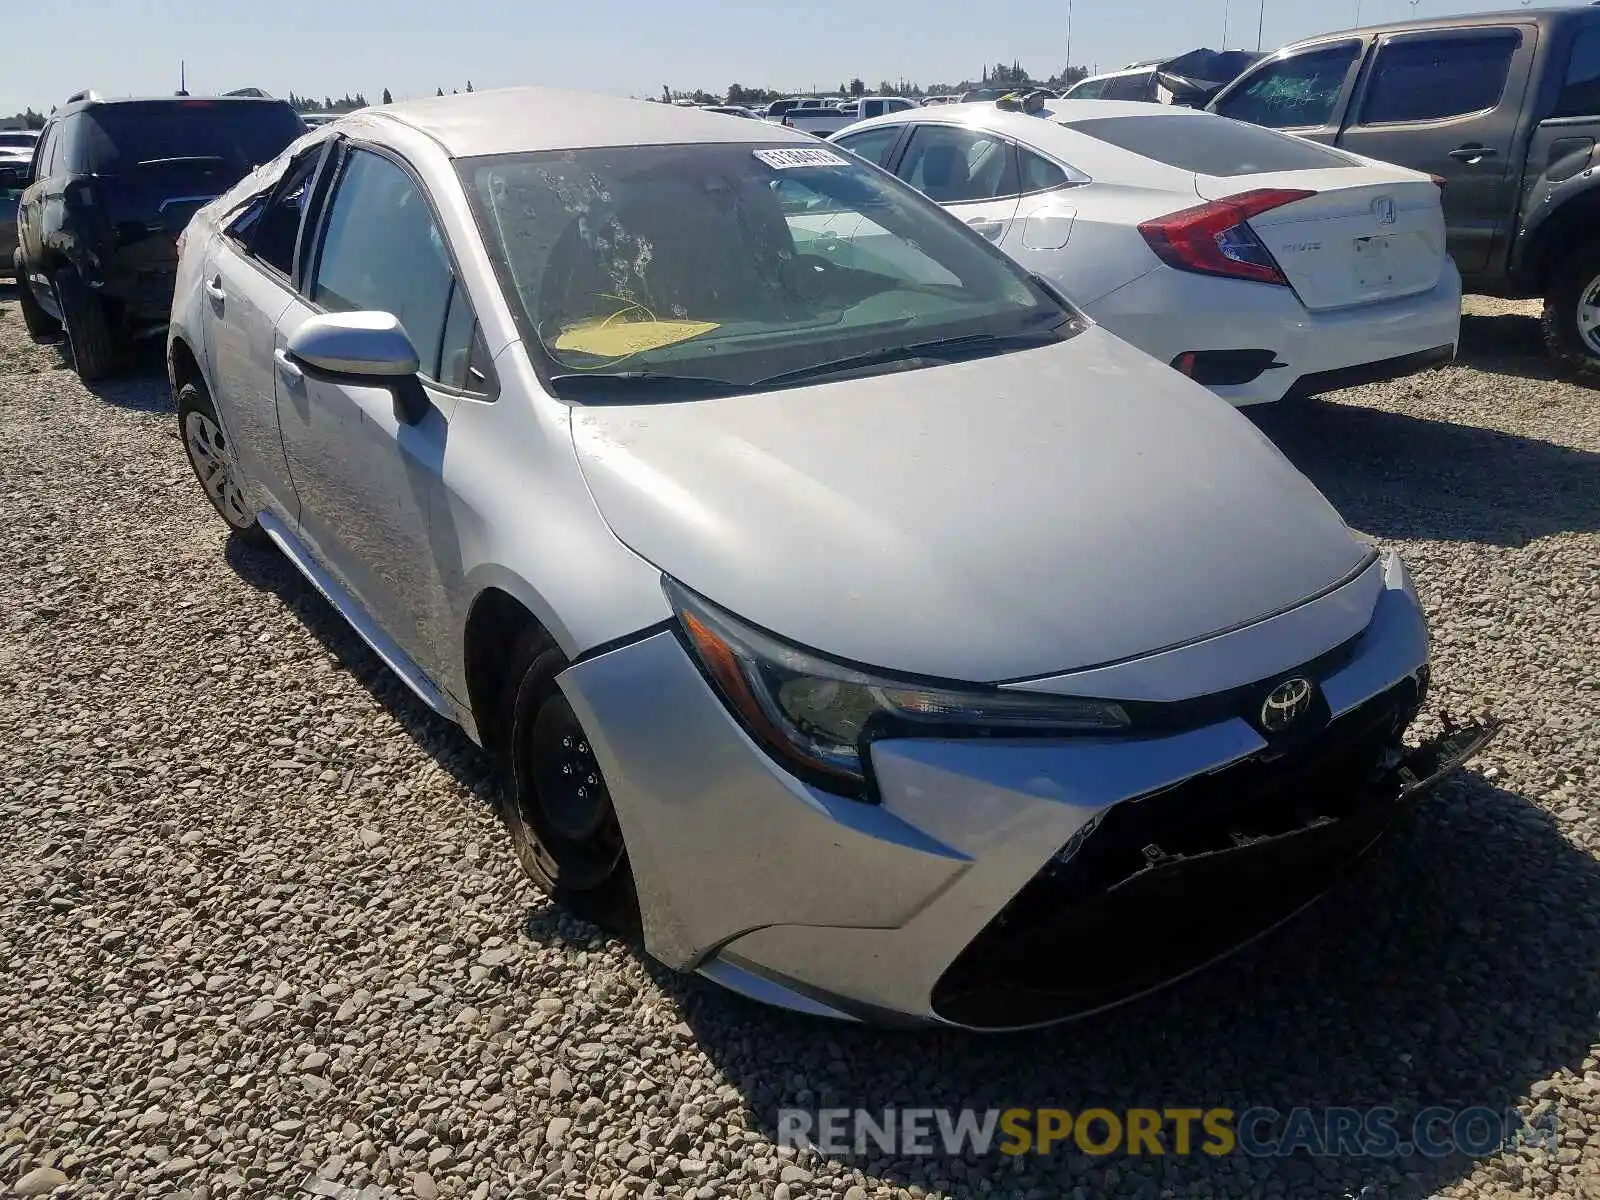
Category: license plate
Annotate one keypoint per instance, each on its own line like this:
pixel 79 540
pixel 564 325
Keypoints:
pixel 1374 257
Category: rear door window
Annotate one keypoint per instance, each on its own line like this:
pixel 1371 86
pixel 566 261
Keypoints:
pixel 274 233
pixel 1433 79
pixel 952 165
pixel 1580 89
pixel 1298 92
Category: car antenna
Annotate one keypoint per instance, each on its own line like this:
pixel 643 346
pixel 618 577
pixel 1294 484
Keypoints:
pixel 183 78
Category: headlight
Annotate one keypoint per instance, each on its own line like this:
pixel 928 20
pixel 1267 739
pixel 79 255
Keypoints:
pixel 817 716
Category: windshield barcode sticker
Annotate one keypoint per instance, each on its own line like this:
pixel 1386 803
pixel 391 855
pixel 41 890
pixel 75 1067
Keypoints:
pixel 783 159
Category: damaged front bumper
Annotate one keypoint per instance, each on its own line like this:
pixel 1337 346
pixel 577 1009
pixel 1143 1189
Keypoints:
pixel 1161 885
pixel 1009 883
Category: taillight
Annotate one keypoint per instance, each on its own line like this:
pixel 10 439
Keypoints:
pixel 1216 239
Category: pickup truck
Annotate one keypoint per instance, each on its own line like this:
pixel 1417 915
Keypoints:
pixel 1503 109
pixel 825 121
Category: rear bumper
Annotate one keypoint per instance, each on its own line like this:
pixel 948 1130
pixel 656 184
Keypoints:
pixel 1167 313
pixel 1374 372
pixel 1124 862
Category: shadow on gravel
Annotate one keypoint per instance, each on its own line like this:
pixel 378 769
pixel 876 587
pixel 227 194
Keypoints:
pixel 1460 965
pixel 1508 344
pixel 142 384
pixel 266 569
pixel 1407 477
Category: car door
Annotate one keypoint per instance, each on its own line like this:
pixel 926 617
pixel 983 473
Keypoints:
pixel 1303 92
pixel 366 480
pixel 249 279
pixel 1563 142
pixel 970 172
pixel 1450 102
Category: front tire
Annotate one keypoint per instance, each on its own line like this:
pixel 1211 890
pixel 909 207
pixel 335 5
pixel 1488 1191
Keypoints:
pixel 556 804
pixel 211 457
pixel 89 334
pixel 1572 316
pixel 41 326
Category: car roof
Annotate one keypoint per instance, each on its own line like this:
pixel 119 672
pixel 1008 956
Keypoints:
pixel 115 101
pixel 1537 16
pixel 514 120
pixel 987 115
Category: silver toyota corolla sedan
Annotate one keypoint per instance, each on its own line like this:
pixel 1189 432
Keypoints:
pixel 855 622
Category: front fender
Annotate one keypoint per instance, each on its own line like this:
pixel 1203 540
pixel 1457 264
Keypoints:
pixel 1558 214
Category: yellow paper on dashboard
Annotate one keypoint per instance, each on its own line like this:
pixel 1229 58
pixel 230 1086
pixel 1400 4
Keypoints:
pixel 611 338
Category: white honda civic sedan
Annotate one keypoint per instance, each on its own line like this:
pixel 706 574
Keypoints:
pixel 1259 264
pixel 881 639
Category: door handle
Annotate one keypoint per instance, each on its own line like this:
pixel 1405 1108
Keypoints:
pixel 1473 154
pixel 292 374
pixel 214 289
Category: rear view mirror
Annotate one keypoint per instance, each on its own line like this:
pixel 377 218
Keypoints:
pixel 355 343
pixel 363 348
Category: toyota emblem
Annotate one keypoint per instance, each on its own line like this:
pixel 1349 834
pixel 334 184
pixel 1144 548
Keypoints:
pixel 1286 704
pixel 1383 209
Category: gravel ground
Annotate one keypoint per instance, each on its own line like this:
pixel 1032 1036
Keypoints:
pixel 260 932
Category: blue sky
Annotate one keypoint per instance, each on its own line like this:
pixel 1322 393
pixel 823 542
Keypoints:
pixel 628 47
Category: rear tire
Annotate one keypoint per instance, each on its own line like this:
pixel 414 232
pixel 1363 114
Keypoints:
pixel 556 805
pixel 211 457
pixel 1572 316
pixel 94 349
pixel 41 326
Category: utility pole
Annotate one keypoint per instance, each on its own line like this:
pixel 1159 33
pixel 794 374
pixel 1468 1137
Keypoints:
pixel 1261 23
pixel 1226 6
pixel 1069 35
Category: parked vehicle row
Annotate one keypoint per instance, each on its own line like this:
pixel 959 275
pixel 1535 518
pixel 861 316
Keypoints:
pixel 624 456
pixel 1504 108
pixel 820 122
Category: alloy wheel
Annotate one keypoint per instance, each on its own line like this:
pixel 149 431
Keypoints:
pixel 1589 316
pixel 213 463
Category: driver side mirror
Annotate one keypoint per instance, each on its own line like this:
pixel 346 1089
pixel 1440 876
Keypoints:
pixel 368 348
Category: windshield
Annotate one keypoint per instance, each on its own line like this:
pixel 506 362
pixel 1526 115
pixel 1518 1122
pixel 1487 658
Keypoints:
pixel 737 264
pixel 23 141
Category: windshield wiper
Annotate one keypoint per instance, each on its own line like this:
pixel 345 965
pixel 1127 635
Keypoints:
pixel 625 386
pixel 946 349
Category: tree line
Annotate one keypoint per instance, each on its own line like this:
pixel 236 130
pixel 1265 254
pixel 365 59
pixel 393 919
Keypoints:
pixel 1012 75
pixel 349 103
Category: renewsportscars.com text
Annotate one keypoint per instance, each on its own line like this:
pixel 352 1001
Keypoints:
pixel 1257 1132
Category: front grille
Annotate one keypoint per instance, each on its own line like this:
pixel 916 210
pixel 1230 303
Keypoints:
pixel 1168 881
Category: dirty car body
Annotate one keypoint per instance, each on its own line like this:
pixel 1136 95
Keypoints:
pixel 913 621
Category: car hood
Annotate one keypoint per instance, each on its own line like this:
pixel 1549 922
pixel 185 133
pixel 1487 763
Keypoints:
pixel 1006 517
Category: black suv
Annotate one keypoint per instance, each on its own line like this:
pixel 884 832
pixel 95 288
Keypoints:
pixel 110 188
pixel 1504 108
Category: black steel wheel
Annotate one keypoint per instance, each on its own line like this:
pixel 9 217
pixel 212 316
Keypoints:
pixel 557 806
